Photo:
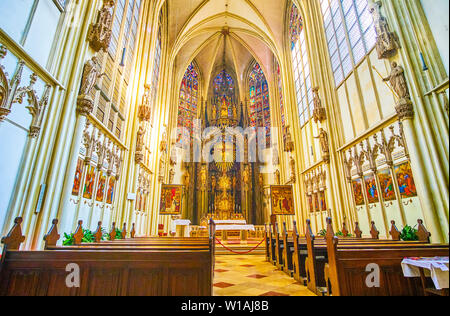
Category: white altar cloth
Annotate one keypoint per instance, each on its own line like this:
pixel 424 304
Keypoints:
pixel 235 227
pixel 230 222
pixel 437 268
pixel 180 222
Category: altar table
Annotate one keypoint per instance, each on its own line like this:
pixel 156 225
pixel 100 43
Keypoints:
pixel 436 268
pixel 181 227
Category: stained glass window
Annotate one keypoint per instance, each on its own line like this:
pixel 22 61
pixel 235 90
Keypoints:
pixel 187 110
pixel 259 101
pixel 350 34
pixel 224 88
pixel 280 92
pixel 300 61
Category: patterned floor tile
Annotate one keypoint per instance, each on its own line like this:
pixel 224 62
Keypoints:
pixel 257 276
pixel 272 293
pixel 223 285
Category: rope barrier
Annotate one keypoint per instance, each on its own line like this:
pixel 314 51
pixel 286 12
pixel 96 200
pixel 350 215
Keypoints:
pixel 239 253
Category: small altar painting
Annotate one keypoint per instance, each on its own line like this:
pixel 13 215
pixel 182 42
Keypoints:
pixel 77 179
pixel 387 185
pixel 406 180
pixel 110 192
pixel 89 183
pixel 371 189
pixel 316 202
pixel 310 203
pixel 171 200
pixel 357 192
pixel 101 188
pixel 282 200
pixel 323 201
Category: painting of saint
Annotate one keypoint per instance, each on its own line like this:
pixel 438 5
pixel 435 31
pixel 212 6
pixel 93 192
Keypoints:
pixel 357 192
pixel 282 200
pixel 405 180
pixel 371 189
pixel 310 204
pixel 171 200
pixel 89 183
pixel 101 188
pixel 110 192
pixel 316 202
pixel 387 185
pixel 323 201
pixel 77 179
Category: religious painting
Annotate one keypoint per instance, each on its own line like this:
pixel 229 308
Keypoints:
pixel 405 180
pixel 77 179
pixel 371 189
pixel 322 201
pixel 282 197
pixel 387 185
pixel 316 202
pixel 171 200
pixel 89 183
pixel 310 203
pixel 101 188
pixel 357 192
pixel 138 201
pixel 110 192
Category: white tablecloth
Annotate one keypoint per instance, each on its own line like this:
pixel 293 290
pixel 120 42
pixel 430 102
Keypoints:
pixel 231 222
pixel 235 227
pixel 436 268
pixel 179 222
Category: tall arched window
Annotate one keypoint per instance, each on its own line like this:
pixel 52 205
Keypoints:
pixel 224 90
pixel 300 61
pixel 350 34
pixel 156 70
pixel 187 110
pixel 259 101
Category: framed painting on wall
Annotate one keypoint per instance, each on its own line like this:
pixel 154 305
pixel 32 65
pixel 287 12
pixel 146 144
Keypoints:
pixel 110 192
pixel 387 185
pixel 357 192
pixel 89 183
pixel 282 197
pixel 371 189
pixel 323 201
pixel 77 178
pixel 171 200
pixel 101 188
pixel 405 180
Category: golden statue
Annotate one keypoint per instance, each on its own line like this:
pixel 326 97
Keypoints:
pixel 224 109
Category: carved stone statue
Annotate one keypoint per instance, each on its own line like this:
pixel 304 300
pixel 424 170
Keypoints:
pixel 203 177
pixel 246 177
pixel 277 177
pixel 140 144
pixel 214 112
pixel 293 172
pixel 387 42
pixel 145 108
pixel 91 74
pixel 324 145
pixel 99 35
pixel 171 176
pixel 187 179
pixel 235 115
pixel 398 81
pixel 288 142
pixel 319 112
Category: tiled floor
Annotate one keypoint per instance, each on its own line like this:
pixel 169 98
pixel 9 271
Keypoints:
pixel 252 276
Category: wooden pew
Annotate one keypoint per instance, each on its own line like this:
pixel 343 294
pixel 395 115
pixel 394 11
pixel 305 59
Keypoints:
pixel 279 247
pixel 288 250
pixel 314 274
pixel 299 256
pixel 267 243
pixel 346 271
pixel 119 271
pixel 272 245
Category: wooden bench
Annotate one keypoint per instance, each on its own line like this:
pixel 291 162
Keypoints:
pixel 123 269
pixel 346 271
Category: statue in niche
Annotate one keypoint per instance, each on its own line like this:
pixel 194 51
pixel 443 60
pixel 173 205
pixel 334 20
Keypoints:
pixel 187 179
pixel 387 42
pixel 140 144
pixel 288 142
pixel 235 115
pixel 319 112
pixel 246 177
pixel 99 36
pixel 324 145
pixel 292 165
pixel 203 177
pixel 171 176
pixel 398 81
pixel 277 177
pixel 214 112
pixel 213 183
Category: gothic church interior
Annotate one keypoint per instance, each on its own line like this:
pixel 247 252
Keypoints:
pixel 211 132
